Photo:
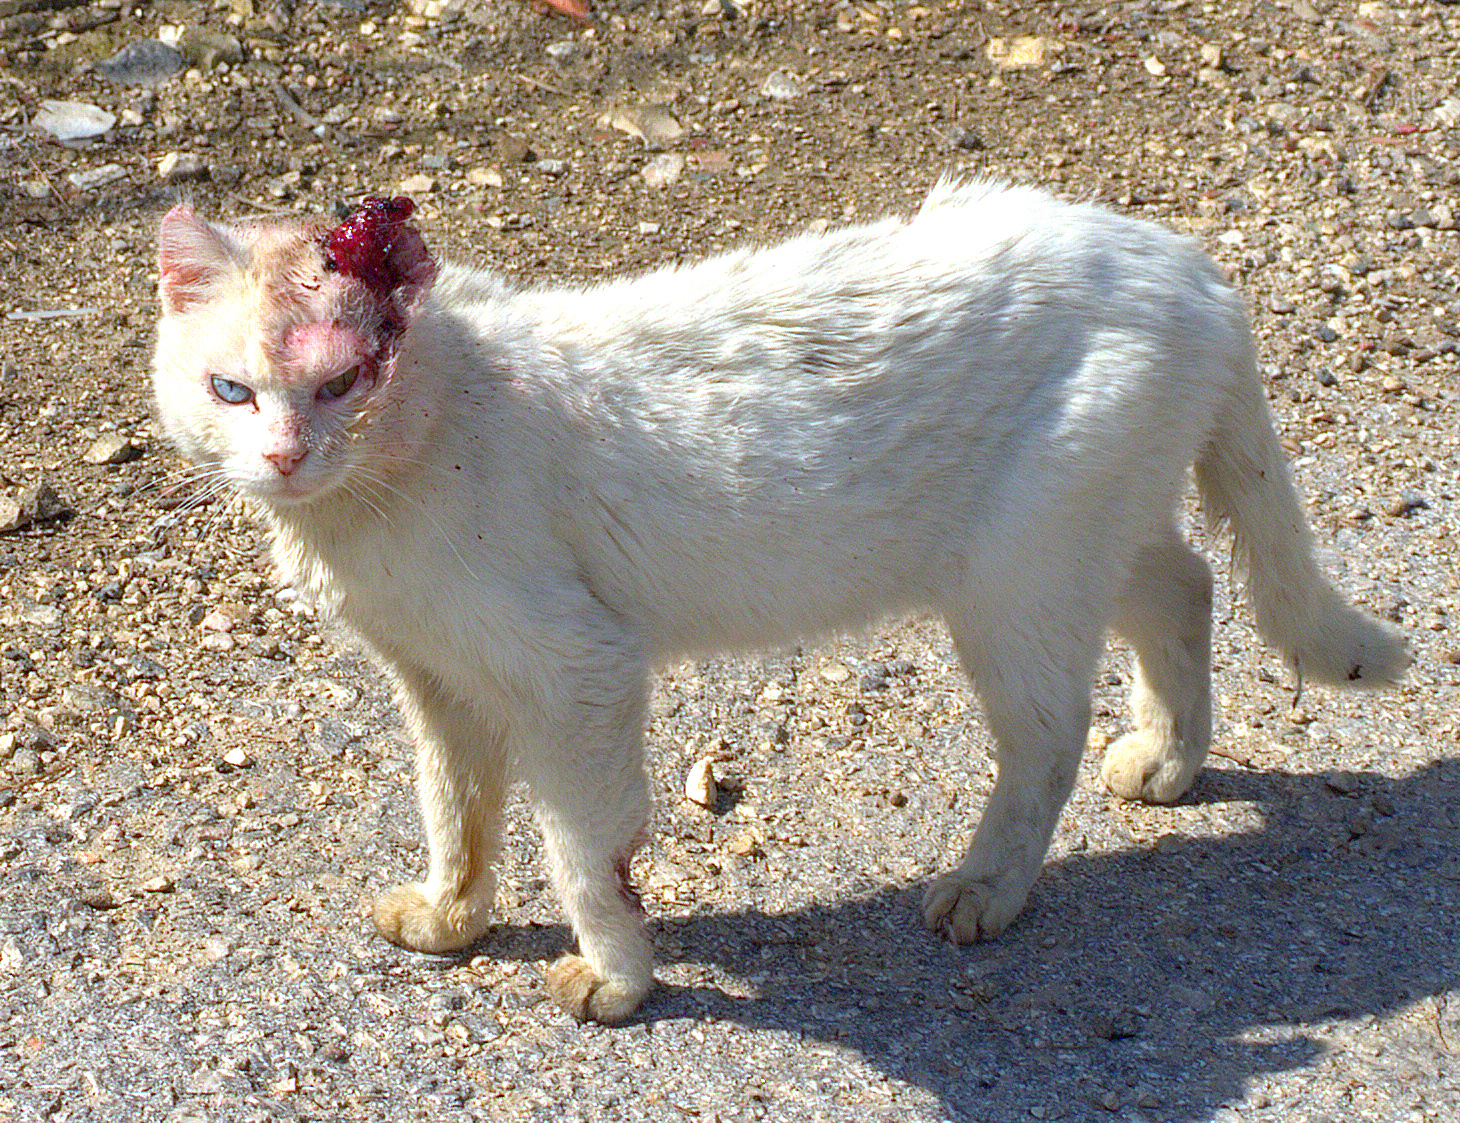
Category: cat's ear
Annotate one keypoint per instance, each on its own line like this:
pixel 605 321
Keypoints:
pixel 412 268
pixel 192 257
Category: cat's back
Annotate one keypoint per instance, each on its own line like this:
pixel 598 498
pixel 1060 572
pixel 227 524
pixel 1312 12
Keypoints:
pixel 976 254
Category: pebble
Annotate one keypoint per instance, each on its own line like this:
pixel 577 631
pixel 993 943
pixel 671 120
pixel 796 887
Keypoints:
pixel 418 184
pixel 1447 113
pixel 553 167
pixel 110 448
pixel 663 169
pixel 1020 52
pixel 836 673
pixel 33 504
pixel 72 120
pixel 206 49
pixel 237 758
pixel 1405 504
pixel 93 178
pixel 780 86
pixel 180 167
pixel 650 122
pixel 218 621
pixel 744 845
pixel 146 62
pixel 699 785
pixel 484 177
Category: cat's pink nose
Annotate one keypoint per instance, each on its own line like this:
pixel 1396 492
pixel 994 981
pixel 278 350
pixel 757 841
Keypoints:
pixel 286 460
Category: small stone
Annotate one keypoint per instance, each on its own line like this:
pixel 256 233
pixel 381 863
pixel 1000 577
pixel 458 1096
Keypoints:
pixel 780 86
pixel 162 883
pixel 1447 113
pixel 561 52
pixel 37 503
pixel 553 167
pixel 514 150
pixel 237 758
pixel 98 897
pixel 93 178
pixel 25 763
pixel 147 62
pixel 663 170
pixel 418 184
pixel 836 673
pixel 385 115
pixel 1154 67
pixel 1344 783
pixel 699 785
pixel 1021 52
pixel 1211 56
pixel 484 177
pixel 1405 504
pixel 180 167
pixel 110 448
pixel 72 120
pixel 206 49
pixel 218 621
pixel 743 845
pixel 649 228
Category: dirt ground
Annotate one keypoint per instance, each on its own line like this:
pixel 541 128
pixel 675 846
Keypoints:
pixel 202 786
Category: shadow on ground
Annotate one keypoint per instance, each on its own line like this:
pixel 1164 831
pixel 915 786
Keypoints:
pixel 1165 979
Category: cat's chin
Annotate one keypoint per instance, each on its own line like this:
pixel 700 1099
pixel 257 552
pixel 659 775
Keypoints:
pixel 287 494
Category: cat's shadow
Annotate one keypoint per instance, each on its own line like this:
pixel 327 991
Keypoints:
pixel 1171 977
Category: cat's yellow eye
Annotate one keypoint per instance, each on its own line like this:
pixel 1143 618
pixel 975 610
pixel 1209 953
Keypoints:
pixel 339 386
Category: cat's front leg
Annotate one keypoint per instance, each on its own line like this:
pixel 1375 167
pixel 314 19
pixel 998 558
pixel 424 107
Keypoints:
pixel 585 770
pixel 461 766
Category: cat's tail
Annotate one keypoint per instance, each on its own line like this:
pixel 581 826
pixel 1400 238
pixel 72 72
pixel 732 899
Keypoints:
pixel 1244 481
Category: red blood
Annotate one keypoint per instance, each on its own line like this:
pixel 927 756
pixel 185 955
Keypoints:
pixel 358 246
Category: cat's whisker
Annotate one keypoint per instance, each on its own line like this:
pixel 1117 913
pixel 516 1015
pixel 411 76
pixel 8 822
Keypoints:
pixel 358 489
pixel 441 530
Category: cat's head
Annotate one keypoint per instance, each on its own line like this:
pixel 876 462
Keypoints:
pixel 282 359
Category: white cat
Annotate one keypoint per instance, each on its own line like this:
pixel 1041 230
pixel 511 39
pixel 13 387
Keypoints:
pixel 525 500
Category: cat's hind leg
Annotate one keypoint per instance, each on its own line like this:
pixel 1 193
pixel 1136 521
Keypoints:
pixel 584 769
pixel 1028 635
pixel 461 775
pixel 1164 612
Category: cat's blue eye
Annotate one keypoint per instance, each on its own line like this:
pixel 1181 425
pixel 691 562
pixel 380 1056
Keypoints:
pixel 339 386
pixel 234 393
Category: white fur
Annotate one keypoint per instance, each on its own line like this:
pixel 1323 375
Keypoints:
pixel 987 412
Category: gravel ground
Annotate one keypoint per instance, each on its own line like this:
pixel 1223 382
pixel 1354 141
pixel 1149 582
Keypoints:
pixel 202 787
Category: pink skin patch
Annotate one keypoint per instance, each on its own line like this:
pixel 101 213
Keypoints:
pixel 314 350
pixel 621 861
pixel 287 443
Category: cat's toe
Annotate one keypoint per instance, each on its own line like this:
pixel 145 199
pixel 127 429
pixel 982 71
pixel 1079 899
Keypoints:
pixel 1138 766
pixel 405 915
pixel 968 909
pixel 584 993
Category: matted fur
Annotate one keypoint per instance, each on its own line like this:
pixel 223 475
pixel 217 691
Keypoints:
pixel 531 497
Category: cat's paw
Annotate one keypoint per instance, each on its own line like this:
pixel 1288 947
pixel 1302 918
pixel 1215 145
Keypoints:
pixel 1139 766
pixel 584 993
pixel 405 916
pixel 968 909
